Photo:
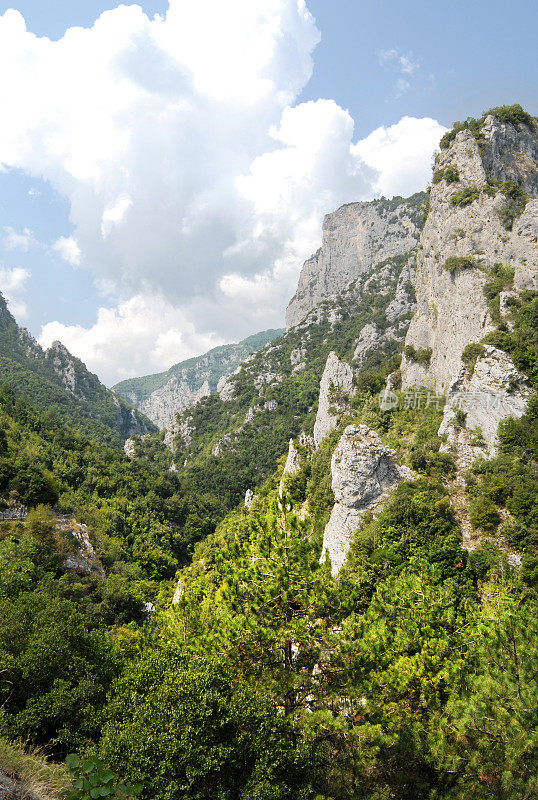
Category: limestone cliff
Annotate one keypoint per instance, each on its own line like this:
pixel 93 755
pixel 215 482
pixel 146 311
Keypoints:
pixel 356 237
pixel 493 391
pixel 475 220
pixel 363 471
pixel 335 390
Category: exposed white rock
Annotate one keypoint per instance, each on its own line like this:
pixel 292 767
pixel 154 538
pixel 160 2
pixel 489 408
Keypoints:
pixel 225 389
pixel 175 396
pixel 221 445
pixel 183 429
pixel 364 472
pixel 452 310
pixel 129 447
pixel 368 338
pixel 267 378
pixel 403 303
pixel 336 387
pixel 249 498
pixel 270 405
pixel 64 366
pixel 297 355
pixel 250 414
pixel 293 461
pixel 83 559
pixel 356 237
pixel 496 390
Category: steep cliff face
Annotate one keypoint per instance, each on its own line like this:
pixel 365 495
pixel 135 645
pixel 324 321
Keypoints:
pixel 356 237
pixel 163 395
pixel 336 388
pixel 364 472
pixel 476 220
pixel 60 383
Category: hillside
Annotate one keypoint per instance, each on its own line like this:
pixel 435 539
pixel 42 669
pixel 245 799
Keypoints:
pixel 60 385
pixel 233 439
pixel 321 583
pixel 163 395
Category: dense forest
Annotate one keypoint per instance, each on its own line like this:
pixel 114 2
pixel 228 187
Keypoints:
pixel 204 652
pixel 411 674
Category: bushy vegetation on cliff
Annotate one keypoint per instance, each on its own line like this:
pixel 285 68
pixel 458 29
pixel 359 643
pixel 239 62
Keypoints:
pixel 269 677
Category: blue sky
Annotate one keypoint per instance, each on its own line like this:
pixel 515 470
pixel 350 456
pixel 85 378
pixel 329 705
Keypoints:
pixel 180 220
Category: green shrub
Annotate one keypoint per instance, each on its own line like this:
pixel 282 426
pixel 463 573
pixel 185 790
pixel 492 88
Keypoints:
pixel 92 779
pixel 465 196
pixel 421 355
pixel 471 354
pixel 454 263
pixel 426 206
pixel 515 115
pixel 460 417
pixel 483 514
pixel 502 278
pixel 449 174
pixel 516 203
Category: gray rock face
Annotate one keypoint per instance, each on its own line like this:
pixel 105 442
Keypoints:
pixel 356 237
pixel 496 390
pixel 334 391
pixel 451 307
pixel 368 338
pixel 363 473
pixel 175 396
pixel 64 366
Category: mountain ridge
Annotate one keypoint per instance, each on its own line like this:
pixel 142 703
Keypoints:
pixel 60 383
pixel 162 395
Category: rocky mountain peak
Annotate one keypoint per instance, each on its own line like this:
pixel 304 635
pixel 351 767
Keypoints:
pixel 356 237
pixel 482 212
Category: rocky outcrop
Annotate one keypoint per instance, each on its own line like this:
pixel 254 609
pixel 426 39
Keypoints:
pixel 335 390
pixel 494 391
pixel 175 396
pixel 58 380
pixel 465 235
pixel 296 458
pixel 293 461
pixel 356 237
pixel 82 558
pixel 364 472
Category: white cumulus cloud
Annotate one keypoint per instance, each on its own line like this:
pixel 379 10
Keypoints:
pixel 68 249
pixel 192 172
pixel 397 154
pixel 13 285
pixel 124 338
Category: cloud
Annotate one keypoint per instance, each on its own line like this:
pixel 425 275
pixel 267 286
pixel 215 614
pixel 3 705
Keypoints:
pixel 20 241
pixel 405 64
pixel 123 339
pixel 192 172
pixel 396 154
pixel 12 285
pixel 68 249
